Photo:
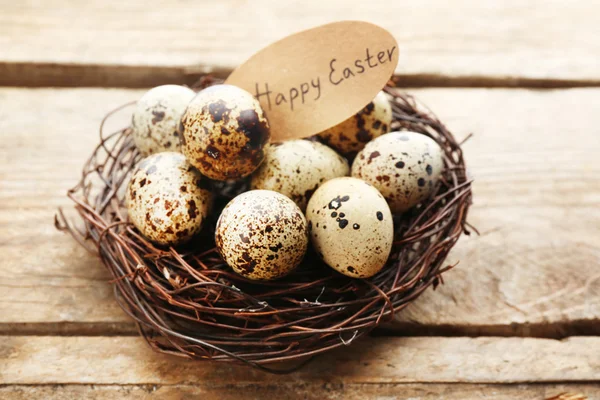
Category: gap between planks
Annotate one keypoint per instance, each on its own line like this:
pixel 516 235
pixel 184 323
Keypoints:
pixel 25 74
pixel 555 330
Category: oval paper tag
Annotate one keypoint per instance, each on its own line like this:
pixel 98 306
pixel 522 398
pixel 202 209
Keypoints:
pixel 315 79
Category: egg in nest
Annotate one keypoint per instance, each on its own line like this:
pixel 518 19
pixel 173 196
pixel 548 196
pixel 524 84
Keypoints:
pixel 351 135
pixel 262 235
pixel 404 166
pixel 167 199
pixel 350 226
pixel 296 168
pixel 156 118
pixel 225 132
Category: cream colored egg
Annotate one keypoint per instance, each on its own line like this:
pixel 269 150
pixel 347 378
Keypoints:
pixel 296 168
pixel 262 235
pixel 351 135
pixel 225 132
pixel 156 118
pixel 350 226
pixel 404 166
pixel 167 199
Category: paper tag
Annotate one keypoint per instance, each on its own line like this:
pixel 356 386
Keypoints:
pixel 315 79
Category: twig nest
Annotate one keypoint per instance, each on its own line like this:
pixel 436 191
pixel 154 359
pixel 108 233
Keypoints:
pixel 350 226
pixel 156 118
pixel 193 306
pixel 296 168
pixel 225 132
pixel 354 133
pixel 167 199
pixel 262 235
pixel 404 166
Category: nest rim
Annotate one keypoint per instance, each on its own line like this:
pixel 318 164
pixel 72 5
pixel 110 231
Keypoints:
pixel 187 302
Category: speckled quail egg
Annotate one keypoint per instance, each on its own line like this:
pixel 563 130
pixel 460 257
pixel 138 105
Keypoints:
pixel 403 166
pixel 225 132
pixel 167 199
pixel 296 168
pixel 350 226
pixel 351 135
pixel 155 121
pixel 262 235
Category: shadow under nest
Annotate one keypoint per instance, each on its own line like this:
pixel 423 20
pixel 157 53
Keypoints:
pixel 187 302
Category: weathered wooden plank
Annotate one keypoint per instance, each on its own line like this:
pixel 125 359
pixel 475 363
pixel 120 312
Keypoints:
pixel 302 391
pixel 128 361
pixel 532 272
pixel 534 269
pixel 62 42
pixel 47 279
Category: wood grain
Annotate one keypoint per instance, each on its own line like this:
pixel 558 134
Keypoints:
pixel 532 272
pixel 470 42
pixel 534 269
pixel 128 361
pixel 301 391
pixel 47 279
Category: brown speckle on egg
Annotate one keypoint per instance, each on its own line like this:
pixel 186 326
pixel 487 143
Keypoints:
pixel 262 235
pixel 225 132
pixel 359 241
pixel 351 135
pixel 170 208
pixel 157 116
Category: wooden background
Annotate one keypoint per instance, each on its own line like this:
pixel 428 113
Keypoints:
pixel 518 318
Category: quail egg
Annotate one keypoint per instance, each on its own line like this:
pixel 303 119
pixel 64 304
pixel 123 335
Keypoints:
pixel 403 166
pixel 225 132
pixel 262 235
pixel 167 199
pixel 350 226
pixel 351 135
pixel 156 118
pixel 296 168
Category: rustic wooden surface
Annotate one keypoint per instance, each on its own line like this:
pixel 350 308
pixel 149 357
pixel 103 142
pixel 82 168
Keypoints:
pixel 125 360
pixel 523 304
pixel 304 391
pixel 510 280
pixel 136 43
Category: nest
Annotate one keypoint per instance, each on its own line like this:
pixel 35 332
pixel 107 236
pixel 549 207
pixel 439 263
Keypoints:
pixel 187 302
